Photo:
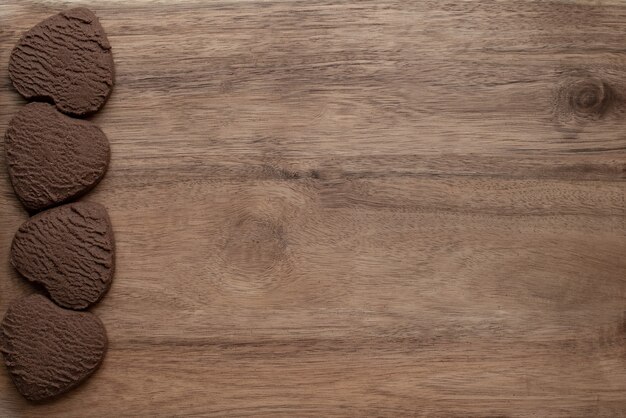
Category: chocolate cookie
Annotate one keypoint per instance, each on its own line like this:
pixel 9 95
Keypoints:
pixel 49 350
pixel 69 250
pixel 53 158
pixel 65 59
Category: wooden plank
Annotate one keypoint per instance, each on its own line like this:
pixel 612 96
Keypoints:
pixel 381 208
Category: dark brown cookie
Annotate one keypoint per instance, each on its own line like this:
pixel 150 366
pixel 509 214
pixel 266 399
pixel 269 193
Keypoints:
pixel 49 350
pixel 66 59
pixel 53 158
pixel 69 250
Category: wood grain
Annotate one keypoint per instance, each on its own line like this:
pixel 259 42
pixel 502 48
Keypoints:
pixel 372 208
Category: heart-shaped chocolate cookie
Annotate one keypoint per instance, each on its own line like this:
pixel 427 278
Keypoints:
pixel 66 59
pixel 69 250
pixel 53 158
pixel 49 350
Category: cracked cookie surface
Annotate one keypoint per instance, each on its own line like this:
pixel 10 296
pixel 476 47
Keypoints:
pixel 70 251
pixel 49 350
pixel 53 158
pixel 65 59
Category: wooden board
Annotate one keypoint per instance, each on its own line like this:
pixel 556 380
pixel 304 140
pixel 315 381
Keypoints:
pixel 360 208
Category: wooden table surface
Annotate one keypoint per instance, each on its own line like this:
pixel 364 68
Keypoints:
pixel 355 208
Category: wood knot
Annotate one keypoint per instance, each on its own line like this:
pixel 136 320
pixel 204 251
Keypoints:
pixel 255 246
pixel 589 97
pixel 255 256
pixel 581 100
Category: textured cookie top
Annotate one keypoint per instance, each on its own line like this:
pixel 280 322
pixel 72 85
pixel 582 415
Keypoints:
pixel 49 350
pixel 53 158
pixel 67 59
pixel 69 250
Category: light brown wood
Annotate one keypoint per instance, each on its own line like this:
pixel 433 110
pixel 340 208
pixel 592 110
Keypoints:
pixel 372 208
